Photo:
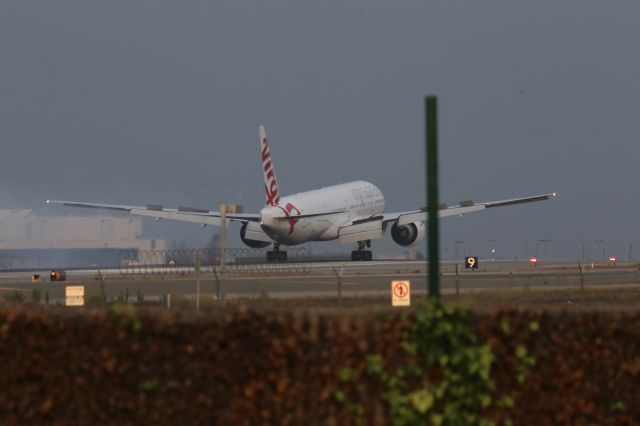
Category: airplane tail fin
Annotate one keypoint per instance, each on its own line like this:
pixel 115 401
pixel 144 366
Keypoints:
pixel 271 188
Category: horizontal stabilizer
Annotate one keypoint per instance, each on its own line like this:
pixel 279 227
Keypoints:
pixel 307 216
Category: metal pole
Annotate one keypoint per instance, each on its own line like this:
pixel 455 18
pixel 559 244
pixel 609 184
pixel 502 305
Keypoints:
pixel 431 110
pixel 339 286
pixel 580 268
pixel 196 262
pixel 222 245
pixel 197 270
pixel 198 294
pixel 219 295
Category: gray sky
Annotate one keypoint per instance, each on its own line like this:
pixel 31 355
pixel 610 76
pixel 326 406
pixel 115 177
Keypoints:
pixel 158 101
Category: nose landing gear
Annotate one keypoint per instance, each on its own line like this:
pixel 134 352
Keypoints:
pixel 362 254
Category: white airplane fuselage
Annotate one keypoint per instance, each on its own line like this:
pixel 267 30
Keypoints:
pixel 336 205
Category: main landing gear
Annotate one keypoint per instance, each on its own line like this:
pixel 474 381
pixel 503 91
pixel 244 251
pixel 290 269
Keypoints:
pixel 276 255
pixel 362 254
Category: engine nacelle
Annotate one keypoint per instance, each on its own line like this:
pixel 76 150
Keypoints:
pixel 251 243
pixel 408 235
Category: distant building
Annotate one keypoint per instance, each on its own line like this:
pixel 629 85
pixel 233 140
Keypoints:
pixel 29 241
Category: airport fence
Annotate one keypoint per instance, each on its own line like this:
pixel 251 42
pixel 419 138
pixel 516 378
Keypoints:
pixel 211 260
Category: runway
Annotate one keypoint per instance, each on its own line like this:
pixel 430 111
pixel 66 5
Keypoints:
pixel 327 279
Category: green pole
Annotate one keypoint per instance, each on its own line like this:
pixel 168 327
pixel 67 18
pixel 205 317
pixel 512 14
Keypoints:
pixel 431 109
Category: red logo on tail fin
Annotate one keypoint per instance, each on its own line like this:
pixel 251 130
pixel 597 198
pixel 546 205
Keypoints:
pixel 270 183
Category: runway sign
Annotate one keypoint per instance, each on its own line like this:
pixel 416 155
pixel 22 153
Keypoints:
pixel 74 295
pixel 471 262
pixel 400 293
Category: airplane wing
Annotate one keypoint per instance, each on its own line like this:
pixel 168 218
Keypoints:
pixel 185 214
pixel 372 227
pixel 463 207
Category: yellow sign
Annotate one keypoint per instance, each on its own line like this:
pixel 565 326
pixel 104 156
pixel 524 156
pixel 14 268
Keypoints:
pixel 400 293
pixel 74 295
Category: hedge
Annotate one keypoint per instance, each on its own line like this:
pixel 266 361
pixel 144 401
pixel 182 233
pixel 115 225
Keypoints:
pixel 431 365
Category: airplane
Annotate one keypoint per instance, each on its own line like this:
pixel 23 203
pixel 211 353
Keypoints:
pixel 350 212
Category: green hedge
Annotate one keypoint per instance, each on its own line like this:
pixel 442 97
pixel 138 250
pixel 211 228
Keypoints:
pixel 432 365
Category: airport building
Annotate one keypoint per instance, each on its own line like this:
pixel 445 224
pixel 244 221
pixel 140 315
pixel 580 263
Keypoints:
pixel 29 241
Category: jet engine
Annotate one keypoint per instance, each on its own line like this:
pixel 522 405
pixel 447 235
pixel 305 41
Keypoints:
pixel 251 243
pixel 408 235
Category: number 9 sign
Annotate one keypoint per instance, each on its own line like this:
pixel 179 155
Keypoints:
pixel 471 262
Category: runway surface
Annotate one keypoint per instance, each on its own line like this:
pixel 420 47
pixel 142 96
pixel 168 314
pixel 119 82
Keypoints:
pixel 324 279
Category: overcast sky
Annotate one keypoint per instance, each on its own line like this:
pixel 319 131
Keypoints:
pixel 136 102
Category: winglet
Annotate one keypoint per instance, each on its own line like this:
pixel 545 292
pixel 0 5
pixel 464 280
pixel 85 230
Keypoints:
pixel 271 189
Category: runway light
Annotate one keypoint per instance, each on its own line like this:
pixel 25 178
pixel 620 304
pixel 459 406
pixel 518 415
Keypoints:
pixel 533 260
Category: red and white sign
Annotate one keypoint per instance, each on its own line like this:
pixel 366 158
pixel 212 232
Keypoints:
pixel 612 259
pixel 533 260
pixel 400 293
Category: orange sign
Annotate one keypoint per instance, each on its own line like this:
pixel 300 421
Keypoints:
pixel 400 293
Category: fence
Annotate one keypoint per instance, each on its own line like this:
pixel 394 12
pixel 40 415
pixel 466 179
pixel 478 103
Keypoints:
pixel 229 261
